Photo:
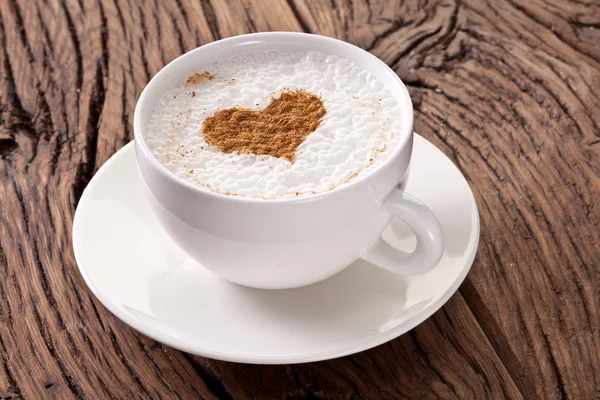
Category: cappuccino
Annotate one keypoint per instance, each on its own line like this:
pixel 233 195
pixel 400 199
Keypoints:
pixel 274 124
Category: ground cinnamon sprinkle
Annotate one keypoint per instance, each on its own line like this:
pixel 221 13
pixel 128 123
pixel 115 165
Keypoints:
pixel 199 77
pixel 277 130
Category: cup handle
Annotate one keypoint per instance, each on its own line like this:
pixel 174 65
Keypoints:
pixel 427 229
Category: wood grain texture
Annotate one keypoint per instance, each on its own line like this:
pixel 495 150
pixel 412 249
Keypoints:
pixel 507 88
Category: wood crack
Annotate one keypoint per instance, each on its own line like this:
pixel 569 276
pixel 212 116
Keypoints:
pixel 87 168
pixel 22 33
pixel 184 13
pixel 554 32
pixel 136 377
pixel 68 378
pixel 430 366
pixel 396 25
pixel 159 34
pixel 298 16
pixel 499 342
pixel 211 18
pixel 178 33
pixel 12 380
pixel 212 382
pixel 414 45
pixel 121 19
pixel 157 368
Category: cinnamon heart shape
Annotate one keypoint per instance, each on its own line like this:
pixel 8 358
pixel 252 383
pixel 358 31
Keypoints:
pixel 277 130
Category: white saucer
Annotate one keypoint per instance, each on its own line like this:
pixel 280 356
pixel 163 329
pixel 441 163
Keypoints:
pixel 142 277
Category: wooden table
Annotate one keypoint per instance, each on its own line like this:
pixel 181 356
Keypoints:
pixel 507 88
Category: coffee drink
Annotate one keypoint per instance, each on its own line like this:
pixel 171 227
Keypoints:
pixel 277 159
pixel 274 125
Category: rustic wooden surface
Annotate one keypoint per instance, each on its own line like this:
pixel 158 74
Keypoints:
pixel 507 88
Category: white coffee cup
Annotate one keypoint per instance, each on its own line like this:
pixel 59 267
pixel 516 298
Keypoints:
pixel 287 243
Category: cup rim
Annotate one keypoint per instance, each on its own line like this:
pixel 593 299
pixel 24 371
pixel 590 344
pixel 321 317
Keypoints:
pixel 405 133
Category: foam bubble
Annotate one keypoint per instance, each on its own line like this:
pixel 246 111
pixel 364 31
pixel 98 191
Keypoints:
pixel 358 132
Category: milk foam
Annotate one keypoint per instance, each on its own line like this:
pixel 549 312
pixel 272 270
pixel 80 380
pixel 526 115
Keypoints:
pixel 358 132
